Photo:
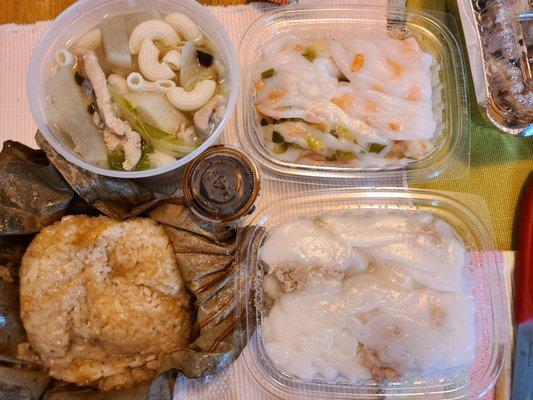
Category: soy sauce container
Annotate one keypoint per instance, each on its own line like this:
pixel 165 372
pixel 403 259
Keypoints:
pixel 222 185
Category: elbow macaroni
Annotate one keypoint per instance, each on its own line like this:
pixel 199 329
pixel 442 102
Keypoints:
pixel 149 64
pixel 152 29
pixel 136 83
pixel 185 26
pixel 163 85
pixel 119 82
pixel 64 58
pixel 90 40
pixel 173 59
pixel 193 100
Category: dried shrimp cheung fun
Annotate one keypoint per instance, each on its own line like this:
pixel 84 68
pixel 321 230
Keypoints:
pixel 370 295
pixel 355 101
pixel 102 301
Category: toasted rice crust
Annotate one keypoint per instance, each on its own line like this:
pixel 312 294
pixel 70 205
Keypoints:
pixel 103 300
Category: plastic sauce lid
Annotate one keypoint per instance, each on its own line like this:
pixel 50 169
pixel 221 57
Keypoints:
pixel 221 184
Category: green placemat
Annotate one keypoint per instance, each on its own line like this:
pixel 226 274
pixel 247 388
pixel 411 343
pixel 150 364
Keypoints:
pixel 500 163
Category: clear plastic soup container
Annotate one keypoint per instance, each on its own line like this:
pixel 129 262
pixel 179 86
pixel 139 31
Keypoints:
pixel 483 274
pixel 436 34
pixel 85 15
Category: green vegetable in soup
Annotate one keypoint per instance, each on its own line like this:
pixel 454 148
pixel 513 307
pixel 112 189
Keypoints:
pixel 155 137
pixel 155 109
pixel 144 162
pixel 115 159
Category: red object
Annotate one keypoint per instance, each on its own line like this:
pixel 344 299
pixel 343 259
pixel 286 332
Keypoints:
pixel 524 260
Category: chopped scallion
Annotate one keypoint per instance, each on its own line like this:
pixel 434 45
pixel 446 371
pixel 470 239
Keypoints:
pixel 344 133
pixel 376 148
pixel 317 145
pixel 116 159
pixel 345 155
pixel 269 73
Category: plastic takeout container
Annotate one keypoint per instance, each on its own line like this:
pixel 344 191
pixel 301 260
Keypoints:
pixel 83 16
pixel 483 275
pixel 436 34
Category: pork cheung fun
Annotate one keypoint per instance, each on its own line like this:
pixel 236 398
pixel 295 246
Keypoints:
pixel 371 295
pixel 137 91
pixel 362 102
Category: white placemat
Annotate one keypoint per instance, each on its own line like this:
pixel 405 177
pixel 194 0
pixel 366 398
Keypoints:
pixel 16 45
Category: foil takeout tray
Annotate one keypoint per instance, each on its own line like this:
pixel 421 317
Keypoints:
pixel 499 41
